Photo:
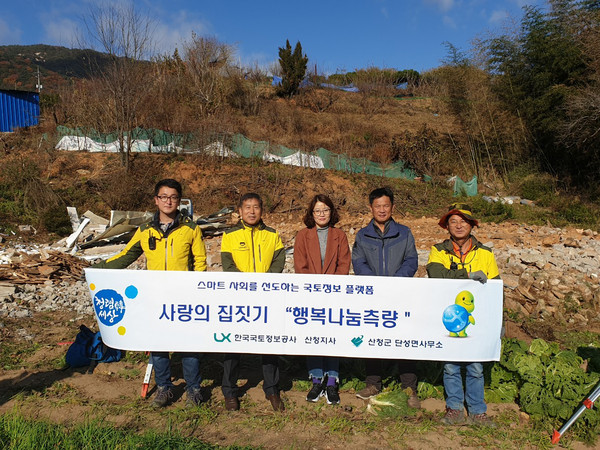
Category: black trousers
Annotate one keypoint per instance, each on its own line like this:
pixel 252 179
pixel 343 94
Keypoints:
pixel 406 367
pixel 231 373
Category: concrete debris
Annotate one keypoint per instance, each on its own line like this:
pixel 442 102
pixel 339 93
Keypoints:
pixel 27 229
pixel 509 200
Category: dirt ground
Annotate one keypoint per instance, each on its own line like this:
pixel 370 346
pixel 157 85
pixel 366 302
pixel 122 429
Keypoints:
pixel 112 394
pixel 39 387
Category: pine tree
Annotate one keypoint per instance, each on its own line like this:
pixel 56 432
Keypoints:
pixel 293 68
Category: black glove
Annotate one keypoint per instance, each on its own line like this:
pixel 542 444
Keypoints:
pixel 478 276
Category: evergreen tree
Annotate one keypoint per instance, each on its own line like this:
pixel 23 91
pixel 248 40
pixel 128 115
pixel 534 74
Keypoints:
pixel 293 68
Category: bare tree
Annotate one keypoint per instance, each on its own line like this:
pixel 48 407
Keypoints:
pixel 207 61
pixel 125 34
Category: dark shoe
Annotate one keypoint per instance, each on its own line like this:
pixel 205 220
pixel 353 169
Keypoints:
pixel 368 392
pixel 482 420
pixel 332 395
pixel 276 402
pixel 453 416
pixel 163 397
pixel 194 398
pixel 232 404
pixel 413 400
pixel 315 393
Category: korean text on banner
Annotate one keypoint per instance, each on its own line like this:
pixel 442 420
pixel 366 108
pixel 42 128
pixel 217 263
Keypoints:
pixel 297 314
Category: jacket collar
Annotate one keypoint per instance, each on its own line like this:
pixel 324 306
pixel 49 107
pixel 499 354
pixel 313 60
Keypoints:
pixel 259 226
pixel 448 246
pixel 156 222
pixel 393 229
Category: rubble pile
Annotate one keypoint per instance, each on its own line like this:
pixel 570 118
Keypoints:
pixel 47 265
pixel 557 280
pixel 28 298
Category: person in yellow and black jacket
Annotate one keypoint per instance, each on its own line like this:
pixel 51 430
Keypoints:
pixel 462 256
pixel 170 242
pixel 251 246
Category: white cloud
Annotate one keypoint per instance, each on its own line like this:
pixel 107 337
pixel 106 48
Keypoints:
pixel 521 3
pixel 9 34
pixel 498 16
pixel 442 5
pixel 60 31
pixel 449 22
pixel 384 13
pixel 176 29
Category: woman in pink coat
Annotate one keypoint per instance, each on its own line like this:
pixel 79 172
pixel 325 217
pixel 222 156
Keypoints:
pixel 322 249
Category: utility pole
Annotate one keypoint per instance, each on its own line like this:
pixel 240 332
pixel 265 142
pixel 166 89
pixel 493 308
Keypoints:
pixel 38 86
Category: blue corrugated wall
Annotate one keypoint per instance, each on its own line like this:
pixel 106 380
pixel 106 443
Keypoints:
pixel 18 109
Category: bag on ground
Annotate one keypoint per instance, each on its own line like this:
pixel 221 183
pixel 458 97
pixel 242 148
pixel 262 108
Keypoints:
pixel 88 347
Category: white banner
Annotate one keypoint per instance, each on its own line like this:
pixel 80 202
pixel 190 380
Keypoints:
pixel 297 314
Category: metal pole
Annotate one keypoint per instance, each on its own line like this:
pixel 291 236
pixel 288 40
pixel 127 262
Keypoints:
pixel 588 403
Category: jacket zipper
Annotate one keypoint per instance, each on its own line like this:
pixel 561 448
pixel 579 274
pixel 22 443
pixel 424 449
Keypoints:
pixel 252 240
pixel 383 256
pixel 166 253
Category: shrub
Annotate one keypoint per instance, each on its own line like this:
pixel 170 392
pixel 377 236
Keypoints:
pixel 537 187
pixel 56 220
pixel 490 212
pixel 578 213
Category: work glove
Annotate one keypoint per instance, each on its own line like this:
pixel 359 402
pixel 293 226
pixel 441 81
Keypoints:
pixel 478 276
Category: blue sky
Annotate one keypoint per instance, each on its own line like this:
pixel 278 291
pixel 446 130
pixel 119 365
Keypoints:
pixel 336 36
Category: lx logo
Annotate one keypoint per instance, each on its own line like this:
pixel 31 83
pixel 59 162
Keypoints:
pixel 224 337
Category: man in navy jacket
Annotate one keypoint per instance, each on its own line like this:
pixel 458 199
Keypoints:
pixel 385 248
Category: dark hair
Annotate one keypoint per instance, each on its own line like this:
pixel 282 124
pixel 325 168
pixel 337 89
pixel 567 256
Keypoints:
pixel 309 219
pixel 170 183
pixel 381 192
pixel 250 196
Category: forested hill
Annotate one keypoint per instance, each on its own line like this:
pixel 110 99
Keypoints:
pixel 58 65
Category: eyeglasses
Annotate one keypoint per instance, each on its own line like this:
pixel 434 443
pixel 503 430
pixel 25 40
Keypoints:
pixel 166 198
pixel 321 212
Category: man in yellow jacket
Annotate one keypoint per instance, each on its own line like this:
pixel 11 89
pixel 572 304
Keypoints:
pixel 170 242
pixel 251 246
pixel 462 256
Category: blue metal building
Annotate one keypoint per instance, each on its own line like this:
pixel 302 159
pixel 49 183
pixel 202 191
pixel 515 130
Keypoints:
pixel 18 109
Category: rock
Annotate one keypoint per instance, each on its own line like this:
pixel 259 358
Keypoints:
pixel 572 243
pixel 551 240
pixel 21 314
pixel 578 318
pixel 533 259
pixel 525 292
pixel 510 281
pixel 515 268
pixel 513 305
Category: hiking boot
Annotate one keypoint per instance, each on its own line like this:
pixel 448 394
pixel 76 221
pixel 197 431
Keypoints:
pixel 413 400
pixel 482 420
pixel 315 393
pixel 194 398
pixel 453 416
pixel 232 404
pixel 332 395
pixel 163 397
pixel 368 392
pixel 276 402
